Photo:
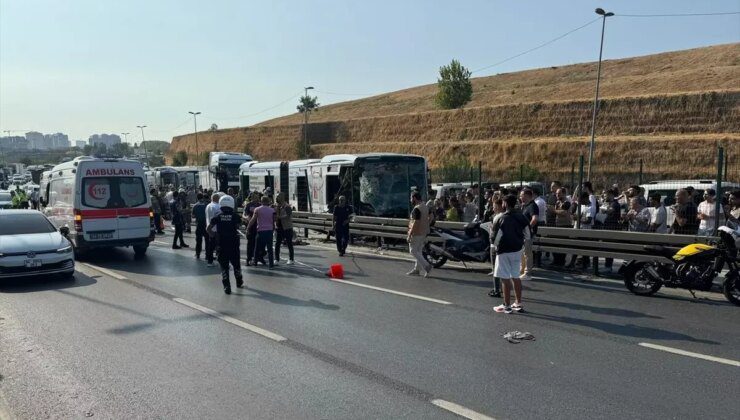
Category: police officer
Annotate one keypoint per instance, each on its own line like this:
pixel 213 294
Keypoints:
pixel 223 228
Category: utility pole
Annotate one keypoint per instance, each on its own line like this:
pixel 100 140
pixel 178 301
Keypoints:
pixel 195 123
pixel 305 121
pixel 146 155
pixel 125 137
pixel 601 12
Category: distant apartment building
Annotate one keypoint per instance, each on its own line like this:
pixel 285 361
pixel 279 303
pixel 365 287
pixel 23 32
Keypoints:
pixel 106 139
pixel 36 140
pixel 57 141
pixel 80 144
pixel 12 143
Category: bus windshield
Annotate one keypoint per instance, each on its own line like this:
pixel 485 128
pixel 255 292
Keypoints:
pixel 385 185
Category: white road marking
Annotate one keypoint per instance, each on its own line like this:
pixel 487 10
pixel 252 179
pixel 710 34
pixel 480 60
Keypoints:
pixel 105 271
pixel 690 354
pixel 460 410
pixel 395 292
pixel 162 243
pixel 241 324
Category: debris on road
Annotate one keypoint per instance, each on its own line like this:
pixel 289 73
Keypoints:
pixel 516 337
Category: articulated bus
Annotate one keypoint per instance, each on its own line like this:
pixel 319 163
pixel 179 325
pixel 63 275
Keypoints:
pixel 223 170
pixel 376 184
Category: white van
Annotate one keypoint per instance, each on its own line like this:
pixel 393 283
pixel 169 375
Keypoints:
pixel 103 202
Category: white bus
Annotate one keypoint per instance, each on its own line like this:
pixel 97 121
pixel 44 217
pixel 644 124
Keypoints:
pixel 223 170
pixel 376 184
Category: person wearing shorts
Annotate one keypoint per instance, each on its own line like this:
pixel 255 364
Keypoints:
pixel 510 232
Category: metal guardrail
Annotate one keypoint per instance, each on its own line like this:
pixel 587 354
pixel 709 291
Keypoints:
pixel 612 244
pixel 583 242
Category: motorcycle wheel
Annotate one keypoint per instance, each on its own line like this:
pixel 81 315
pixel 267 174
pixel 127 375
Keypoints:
pixel 639 281
pixel 731 289
pixel 435 260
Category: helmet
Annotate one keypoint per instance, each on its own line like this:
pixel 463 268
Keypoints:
pixel 226 201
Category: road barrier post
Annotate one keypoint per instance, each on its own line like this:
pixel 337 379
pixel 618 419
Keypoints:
pixel 718 196
pixel 481 204
pixel 639 179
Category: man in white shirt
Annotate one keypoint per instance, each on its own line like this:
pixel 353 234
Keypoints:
pixel 706 213
pixel 658 215
pixel 212 210
pixel 541 221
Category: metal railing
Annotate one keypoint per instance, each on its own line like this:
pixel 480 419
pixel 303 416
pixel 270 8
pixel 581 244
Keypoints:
pixel 582 242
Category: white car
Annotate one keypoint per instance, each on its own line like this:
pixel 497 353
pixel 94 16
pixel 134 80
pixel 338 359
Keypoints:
pixel 6 200
pixel 31 246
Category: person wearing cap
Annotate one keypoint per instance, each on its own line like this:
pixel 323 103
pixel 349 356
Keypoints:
pixel 706 213
pixel 224 229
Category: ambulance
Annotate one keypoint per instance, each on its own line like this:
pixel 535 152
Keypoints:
pixel 101 203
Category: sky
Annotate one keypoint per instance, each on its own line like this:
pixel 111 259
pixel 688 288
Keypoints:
pixel 103 66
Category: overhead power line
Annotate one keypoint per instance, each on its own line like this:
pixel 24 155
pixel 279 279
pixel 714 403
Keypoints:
pixel 258 112
pixel 544 44
pixel 680 14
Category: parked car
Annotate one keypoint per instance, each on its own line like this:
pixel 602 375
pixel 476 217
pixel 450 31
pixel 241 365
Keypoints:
pixel 30 245
pixel 6 200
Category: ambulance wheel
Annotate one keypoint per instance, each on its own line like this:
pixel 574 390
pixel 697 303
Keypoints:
pixel 140 250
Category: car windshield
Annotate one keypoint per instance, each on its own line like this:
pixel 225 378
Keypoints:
pixel 24 224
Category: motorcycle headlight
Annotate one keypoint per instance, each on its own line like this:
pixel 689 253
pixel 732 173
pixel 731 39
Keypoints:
pixel 67 249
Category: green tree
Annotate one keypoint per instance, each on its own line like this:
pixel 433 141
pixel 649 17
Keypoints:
pixel 26 160
pixel 121 149
pixel 454 87
pixel 180 158
pixel 308 103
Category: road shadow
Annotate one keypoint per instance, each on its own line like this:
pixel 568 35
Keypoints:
pixel 43 283
pixel 625 313
pixel 626 330
pixel 152 320
pixel 282 299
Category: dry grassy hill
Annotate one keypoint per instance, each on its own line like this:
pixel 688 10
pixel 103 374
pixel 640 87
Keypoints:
pixel 715 68
pixel 670 109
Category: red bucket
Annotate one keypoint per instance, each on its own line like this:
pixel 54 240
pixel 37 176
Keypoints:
pixel 336 271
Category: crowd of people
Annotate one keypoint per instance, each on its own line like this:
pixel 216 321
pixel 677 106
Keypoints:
pixel 516 214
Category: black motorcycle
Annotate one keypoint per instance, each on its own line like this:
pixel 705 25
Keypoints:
pixel 693 267
pixel 472 245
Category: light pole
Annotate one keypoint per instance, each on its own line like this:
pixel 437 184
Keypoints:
pixel 599 11
pixel 195 124
pixel 146 155
pixel 305 120
pixel 125 137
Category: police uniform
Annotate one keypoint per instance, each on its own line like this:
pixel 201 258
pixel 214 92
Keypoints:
pixel 227 243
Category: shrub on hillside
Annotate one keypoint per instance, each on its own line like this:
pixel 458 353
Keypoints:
pixel 180 158
pixel 455 89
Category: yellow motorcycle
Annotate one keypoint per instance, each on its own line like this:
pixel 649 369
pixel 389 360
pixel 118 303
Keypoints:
pixel 693 267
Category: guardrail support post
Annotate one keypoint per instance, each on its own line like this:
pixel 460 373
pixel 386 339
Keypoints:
pixel 718 199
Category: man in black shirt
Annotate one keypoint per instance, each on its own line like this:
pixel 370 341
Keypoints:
pixel 531 212
pixel 226 235
pixel 510 232
pixel 340 222
pixel 686 222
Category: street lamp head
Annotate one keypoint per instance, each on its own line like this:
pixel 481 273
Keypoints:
pixel 309 88
pixel 602 12
pixel 194 113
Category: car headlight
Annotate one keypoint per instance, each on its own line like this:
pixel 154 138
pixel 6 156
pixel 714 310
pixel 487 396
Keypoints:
pixel 67 249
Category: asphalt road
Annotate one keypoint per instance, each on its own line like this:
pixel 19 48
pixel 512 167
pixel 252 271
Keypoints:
pixel 158 338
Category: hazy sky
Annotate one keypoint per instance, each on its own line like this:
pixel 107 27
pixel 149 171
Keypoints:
pixel 93 66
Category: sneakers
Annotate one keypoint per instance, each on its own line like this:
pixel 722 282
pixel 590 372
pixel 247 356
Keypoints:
pixel 240 283
pixel 494 293
pixel 426 273
pixel 210 264
pixel 413 273
pixel 227 290
pixel 517 307
pixel 525 276
pixel 502 309
pixel 290 262
pixel 185 246
pixel 176 247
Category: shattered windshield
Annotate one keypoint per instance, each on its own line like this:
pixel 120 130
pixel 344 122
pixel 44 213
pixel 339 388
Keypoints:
pixel 385 185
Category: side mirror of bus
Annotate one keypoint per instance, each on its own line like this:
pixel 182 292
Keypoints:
pixel 64 230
